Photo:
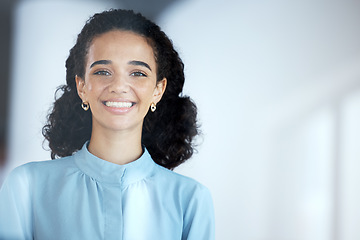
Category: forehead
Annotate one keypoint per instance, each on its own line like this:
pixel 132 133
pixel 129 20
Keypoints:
pixel 120 46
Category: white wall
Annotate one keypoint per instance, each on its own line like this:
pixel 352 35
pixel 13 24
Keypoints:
pixel 349 191
pixel 277 84
pixel 270 79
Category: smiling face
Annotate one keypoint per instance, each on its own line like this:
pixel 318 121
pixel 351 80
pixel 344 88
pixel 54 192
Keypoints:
pixel 120 81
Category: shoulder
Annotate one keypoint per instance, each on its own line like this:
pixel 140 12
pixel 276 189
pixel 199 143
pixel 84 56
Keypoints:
pixel 30 170
pixel 187 186
pixel 172 176
pixel 47 164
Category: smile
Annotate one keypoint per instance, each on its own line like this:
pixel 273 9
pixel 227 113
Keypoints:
pixel 119 104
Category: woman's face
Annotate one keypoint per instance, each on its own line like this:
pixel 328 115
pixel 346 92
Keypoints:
pixel 120 81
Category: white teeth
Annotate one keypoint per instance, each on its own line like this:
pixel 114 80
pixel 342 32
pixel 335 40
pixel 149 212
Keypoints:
pixel 119 104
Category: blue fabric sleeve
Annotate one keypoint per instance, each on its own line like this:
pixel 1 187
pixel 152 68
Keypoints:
pixel 15 206
pixel 199 219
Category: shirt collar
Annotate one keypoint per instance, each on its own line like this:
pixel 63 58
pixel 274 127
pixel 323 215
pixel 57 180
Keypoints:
pixel 108 172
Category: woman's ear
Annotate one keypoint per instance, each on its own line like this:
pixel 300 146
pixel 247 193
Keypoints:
pixel 80 86
pixel 159 90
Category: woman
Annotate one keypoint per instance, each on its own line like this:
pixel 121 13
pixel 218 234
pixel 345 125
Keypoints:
pixel 111 177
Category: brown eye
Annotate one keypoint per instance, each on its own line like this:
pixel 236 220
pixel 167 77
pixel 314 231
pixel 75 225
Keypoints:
pixel 102 72
pixel 138 74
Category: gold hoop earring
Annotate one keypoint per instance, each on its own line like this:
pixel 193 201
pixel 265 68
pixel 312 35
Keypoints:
pixel 85 106
pixel 153 107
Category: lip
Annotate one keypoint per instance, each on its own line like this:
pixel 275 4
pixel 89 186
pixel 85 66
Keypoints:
pixel 118 106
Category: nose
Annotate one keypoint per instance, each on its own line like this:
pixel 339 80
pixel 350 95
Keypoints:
pixel 119 84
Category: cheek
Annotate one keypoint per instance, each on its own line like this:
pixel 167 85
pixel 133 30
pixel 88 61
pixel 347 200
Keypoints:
pixel 94 87
pixel 147 93
pixel 89 87
pixel 146 87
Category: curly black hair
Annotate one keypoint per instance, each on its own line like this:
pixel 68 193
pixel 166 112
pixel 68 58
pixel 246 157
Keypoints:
pixel 168 133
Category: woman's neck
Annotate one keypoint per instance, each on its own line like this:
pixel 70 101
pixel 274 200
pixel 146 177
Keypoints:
pixel 116 147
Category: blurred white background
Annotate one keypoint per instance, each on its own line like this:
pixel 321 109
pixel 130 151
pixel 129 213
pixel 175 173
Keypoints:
pixel 277 84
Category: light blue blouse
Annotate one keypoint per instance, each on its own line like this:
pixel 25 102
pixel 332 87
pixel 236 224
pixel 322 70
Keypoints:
pixel 85 197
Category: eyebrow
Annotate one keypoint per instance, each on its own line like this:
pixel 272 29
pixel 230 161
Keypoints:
pixel 139 63
pixel 100 62
pixel 133 62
